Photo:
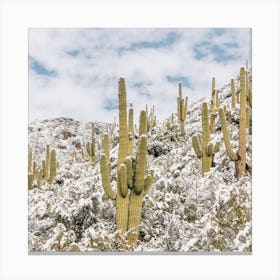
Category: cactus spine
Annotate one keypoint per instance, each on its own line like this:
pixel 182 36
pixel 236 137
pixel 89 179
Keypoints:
pixel 240 156
pixel 91 146
pixel 182 107
pixel 206 149
pixel 130 130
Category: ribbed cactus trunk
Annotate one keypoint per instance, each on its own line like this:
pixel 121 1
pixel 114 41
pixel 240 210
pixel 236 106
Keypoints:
pixel 130 131
pixel 207 160
pixel 52 166
pixel 106 145
pixel 47 162
pixel 240 156
pixel 241 162
pixel 213 96
pixel 122 201
pixel 182 106
pixel 136 195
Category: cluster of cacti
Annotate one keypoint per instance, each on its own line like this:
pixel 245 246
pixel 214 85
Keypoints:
pixel 182 108
pixel 90 147
pixel 205 149
pixel 151 118
pixel 240 156
pixel 131 173
pixel 35 172
pixel 46 171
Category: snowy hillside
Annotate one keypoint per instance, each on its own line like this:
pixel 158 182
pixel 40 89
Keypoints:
pixel 183 212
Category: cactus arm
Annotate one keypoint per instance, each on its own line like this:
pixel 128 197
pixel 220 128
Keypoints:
pixel 209 149
pixel 123 180
pixel 105 177
pixel 141 164
pixel 196 145
pixel 130 131
pixel 148 182
pixel 128 163
pixel 143 123
pixel 231 154
pixel 217 147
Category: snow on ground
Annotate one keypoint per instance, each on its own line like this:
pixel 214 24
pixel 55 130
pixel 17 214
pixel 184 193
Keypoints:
pixel 184 212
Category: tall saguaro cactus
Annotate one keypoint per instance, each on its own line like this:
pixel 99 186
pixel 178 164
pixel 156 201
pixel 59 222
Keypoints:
pixel 182 107
pixel 240 156
pixel 206 149
pixel 132 181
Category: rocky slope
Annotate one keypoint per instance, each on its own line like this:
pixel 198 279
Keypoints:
pixel 184 212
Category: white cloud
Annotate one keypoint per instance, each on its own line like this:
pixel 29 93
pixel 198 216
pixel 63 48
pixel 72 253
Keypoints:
pixel 84 82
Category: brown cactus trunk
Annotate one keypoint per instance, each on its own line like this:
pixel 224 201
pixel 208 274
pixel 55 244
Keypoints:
pixel 182 125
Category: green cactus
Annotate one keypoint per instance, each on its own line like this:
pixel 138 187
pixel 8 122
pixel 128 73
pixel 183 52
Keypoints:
pixel 91 146
pixel 47 162
pixel 240 156
pixel 151 118
pixel 233 94
pixel 168 124
pixel 106 145
pixel 182 107
pixel 206 149
pixel 213 96
pixel 52 166
pixel 29 161
pixel 131 181
pixel 130 131
pixel 30 181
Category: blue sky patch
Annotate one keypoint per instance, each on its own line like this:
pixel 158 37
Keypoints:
pixel 176 79
pixel 111 104
pixel 39 68
pixel 73 53
pixel 170 39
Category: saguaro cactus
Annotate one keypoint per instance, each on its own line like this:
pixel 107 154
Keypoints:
pixel 214 104
pixel 240 156
pixel 130 174
pixel 52 166
pixel 91 146
pixel 206 149
pixel 47 162
pixel 182 107
pixel 106 145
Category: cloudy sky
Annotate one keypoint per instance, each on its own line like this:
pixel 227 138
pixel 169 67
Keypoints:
pixel 74 72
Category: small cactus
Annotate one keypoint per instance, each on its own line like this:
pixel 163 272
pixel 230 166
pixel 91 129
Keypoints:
pixel 91 146
pixel 182 107
pixel 206 149
pixel 52 166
